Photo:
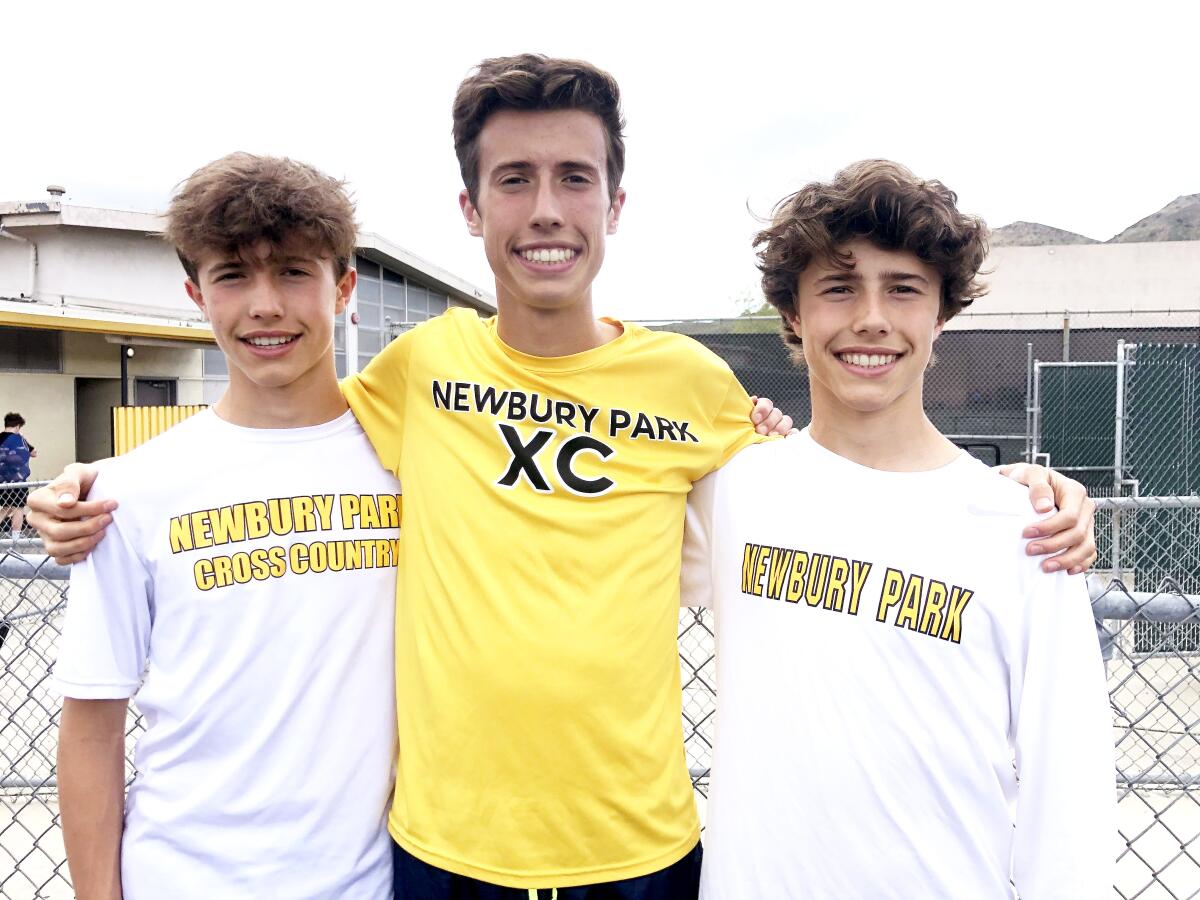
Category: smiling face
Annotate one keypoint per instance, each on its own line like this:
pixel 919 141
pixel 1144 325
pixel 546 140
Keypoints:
pixel 543 207
pixel 868 331
pixel 272 312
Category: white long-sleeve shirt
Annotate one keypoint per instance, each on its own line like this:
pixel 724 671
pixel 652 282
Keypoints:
pixel 907 706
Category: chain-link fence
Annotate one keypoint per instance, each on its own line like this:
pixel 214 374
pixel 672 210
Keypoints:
pixel 977 391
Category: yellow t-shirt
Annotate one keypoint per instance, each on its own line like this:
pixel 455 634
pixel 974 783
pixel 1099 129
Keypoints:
pixel 537 676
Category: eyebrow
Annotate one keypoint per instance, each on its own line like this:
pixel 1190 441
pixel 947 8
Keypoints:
pixel 520 165
pixel 896 275
pixel 899 275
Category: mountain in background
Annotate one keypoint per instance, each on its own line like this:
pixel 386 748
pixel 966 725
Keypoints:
pixel 1033 234
pixel 1179 220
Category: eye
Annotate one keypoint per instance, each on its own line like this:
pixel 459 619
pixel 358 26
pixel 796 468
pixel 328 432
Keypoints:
pixel 513 180
pixel 227 276
pixel 292 271
pixel 577 178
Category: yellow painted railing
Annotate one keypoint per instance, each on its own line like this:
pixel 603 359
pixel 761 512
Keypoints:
pixel 134 425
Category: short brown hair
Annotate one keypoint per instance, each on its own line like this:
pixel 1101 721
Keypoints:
pixel 237 201
pixel 888 205
pixel 531 81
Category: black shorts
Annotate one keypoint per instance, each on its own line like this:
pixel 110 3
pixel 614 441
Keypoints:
pixel 417 880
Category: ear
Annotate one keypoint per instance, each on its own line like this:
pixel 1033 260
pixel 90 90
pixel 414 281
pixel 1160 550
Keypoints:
pixel 937 328
pixel 345 288
pixel 470 214
pixel 792 318
pixel 193 291
pixel 614 211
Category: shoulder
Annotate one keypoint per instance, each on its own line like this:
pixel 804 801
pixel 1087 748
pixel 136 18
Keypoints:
pixel 988 493
pixel 766 461
pixel 178 451
pixel 455 322
pixel 670 343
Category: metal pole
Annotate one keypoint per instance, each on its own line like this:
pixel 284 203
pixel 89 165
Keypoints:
pixel 124 375
pixel 1029 402
pixel 1119 423
pixel 1066 353
pixel 1118 459
pixel 1036 410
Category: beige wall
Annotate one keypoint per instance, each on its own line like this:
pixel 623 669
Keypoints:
pixel 1101 285
pixel 47 401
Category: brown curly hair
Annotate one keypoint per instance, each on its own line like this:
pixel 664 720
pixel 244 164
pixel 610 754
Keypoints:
pixel 888 205
pixel 531 81
pixel 241 199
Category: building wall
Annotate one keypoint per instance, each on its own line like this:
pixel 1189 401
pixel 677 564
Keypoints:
pixel 100 268
pixel 1100 285
pixel 47 401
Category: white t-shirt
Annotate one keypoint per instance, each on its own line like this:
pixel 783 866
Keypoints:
pixel 885 650
pixel 250 574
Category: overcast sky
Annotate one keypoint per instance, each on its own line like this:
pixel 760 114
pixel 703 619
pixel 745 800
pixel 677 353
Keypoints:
pixel 1054 112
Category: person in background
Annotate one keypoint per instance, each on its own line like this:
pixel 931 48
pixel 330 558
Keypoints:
pixel 15 453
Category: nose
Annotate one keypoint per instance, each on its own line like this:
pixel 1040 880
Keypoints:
pixel 870 314
pixel 547 208
pixel 266 299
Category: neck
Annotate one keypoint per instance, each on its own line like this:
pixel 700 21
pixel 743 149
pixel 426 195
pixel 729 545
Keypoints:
pixel 295 405
pixel 899 438
pixel 551 332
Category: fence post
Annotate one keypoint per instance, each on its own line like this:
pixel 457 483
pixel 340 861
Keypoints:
pixel 1029 402
pixel 1066 347
pixel 1118 460
pixel 1036 411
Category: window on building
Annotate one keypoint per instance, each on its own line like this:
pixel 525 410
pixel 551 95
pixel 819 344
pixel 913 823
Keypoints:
pixel 30 350
pixel 215 364
pixel 154 392
pixel 387 303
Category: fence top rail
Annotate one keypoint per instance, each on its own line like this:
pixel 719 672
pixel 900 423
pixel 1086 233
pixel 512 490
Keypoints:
pixel 1184 502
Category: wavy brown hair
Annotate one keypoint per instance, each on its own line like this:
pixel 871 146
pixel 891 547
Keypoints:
pixel 888 205
pixel 241 199
pixel 531 81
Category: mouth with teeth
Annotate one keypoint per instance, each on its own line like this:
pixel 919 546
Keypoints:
pixel 872 363
pixel 270 344
pixel 547 257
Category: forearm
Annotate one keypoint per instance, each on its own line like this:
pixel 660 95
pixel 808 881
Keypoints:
pixel 91 789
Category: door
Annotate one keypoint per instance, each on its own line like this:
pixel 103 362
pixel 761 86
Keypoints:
pixel 94 402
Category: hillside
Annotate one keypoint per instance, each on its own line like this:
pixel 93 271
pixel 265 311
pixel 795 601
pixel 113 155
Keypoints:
pixel 1034 234
pixel 1179 220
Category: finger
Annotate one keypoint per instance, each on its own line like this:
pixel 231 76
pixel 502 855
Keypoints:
pixel 762 409
pixel 1070 539
pixel 770 422
pixel 51 512
pixel 56 531
pixel 1068 518
pixel 786 426
pixel 1041 495
pixel 1074 561
pixel 67 552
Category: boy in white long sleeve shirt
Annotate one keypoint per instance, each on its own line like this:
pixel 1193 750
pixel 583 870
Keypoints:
pixel 900 685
